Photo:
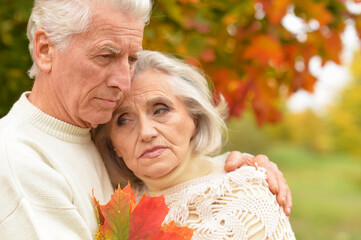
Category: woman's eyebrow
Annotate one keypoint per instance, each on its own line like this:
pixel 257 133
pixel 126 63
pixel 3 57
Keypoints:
pixel 160 100
pixel 120 109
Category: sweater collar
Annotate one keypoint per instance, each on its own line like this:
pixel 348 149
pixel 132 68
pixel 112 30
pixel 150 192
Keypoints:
pixel 49 124
pixel 191 168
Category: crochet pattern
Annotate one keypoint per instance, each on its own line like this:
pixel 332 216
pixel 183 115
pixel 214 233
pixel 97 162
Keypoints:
pixel 235 205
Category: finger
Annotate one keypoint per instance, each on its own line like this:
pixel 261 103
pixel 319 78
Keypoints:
pixel 271 172
pixel 272 182
pixel 289 204
pixel 282 193
pixel 233 161
pixel 247 160
pixel 264 162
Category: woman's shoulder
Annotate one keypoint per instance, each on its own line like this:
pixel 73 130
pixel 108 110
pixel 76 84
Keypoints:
pixel 217 184
pixel 235 197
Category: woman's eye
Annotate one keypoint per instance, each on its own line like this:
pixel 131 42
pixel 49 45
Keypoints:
pixel 161 110
pixel 121 121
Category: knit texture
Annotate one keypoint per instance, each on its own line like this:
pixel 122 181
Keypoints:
pixel 48 171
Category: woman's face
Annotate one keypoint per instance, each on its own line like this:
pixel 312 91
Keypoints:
pixel 151 130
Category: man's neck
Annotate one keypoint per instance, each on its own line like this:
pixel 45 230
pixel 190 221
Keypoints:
pixel 43 97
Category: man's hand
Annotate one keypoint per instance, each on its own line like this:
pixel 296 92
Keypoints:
pixel 277 183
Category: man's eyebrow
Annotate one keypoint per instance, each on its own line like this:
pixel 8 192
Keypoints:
pixel 137 54
pixel 114 50
pixel 117 51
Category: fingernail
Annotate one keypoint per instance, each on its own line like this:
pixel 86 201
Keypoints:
pixel 288 210
pixel 284 199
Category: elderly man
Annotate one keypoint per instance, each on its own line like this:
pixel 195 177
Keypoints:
pixel 84 53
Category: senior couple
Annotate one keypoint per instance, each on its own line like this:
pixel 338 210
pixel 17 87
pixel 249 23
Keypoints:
pixel 157 133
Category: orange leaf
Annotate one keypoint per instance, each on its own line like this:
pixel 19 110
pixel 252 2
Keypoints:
pixel 182 232
pixel 119 221
pixel 275 9
pixel 208 55
pixel 264 111
pixel 147 217
pixel 128 190
pixel 265 49
pixel 115 215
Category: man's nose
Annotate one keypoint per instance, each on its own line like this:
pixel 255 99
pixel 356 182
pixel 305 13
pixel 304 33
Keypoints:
pixel 121 75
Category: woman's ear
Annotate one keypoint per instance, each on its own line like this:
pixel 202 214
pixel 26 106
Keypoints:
pixel 116 151
pixel 195 127
pixel 110 146
pixel 43 50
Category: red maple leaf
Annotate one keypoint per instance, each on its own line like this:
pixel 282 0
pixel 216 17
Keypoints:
pixel 121 218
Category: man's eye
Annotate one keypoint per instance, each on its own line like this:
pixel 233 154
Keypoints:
pixel 105 56
pixel 133 59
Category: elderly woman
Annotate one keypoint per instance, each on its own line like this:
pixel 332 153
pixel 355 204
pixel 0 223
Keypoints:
pixel 160 138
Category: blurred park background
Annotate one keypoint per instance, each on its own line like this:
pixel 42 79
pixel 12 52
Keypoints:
pixel 259 54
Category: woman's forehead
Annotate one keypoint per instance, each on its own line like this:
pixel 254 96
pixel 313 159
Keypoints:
pixel 150 81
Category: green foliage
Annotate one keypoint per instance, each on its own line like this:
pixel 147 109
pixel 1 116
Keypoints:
pixel 14 54
pixel 305 129
pixel 246 136
pixel 326 192
pixel 344 117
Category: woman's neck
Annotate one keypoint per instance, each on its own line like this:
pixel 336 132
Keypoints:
pixel 191 168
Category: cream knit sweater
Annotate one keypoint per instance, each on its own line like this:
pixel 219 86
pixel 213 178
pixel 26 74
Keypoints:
pixel 218 205
pixel 48 169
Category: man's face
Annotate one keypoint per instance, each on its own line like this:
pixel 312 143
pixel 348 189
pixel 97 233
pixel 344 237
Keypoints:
pixel 93 74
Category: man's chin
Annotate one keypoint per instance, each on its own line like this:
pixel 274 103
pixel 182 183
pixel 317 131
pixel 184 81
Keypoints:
pixel 100 119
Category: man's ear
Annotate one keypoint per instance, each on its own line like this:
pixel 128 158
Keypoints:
pixel 43 51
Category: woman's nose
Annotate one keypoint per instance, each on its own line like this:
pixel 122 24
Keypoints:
pixel 148 131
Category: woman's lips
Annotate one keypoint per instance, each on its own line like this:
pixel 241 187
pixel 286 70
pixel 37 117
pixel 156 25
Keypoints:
pixel 153 152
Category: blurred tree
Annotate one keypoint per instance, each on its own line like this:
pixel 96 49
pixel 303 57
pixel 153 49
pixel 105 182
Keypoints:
pixel 242 45
pixel 14 55
pixel 244 135
pixel 305 129
pixel 336 130
pixel 345 116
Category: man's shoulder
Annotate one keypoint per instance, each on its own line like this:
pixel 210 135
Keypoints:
pixel 27 173
pixel 15 137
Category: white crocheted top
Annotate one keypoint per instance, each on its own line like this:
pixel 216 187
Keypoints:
pixel 235 205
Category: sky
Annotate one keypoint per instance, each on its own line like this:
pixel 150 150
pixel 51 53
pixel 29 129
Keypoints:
pixel 331 77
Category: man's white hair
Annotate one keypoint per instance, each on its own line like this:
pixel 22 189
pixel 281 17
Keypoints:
pixel 63 18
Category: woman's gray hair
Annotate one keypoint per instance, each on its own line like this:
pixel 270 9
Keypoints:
pixel 191 87
pixel 63 18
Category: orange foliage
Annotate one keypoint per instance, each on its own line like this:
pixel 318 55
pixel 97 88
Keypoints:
pixel 245 49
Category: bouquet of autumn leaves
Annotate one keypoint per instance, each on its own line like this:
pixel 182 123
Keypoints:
pixel 121 218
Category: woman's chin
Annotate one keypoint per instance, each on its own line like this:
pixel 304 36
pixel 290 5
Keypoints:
pixel 159 173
